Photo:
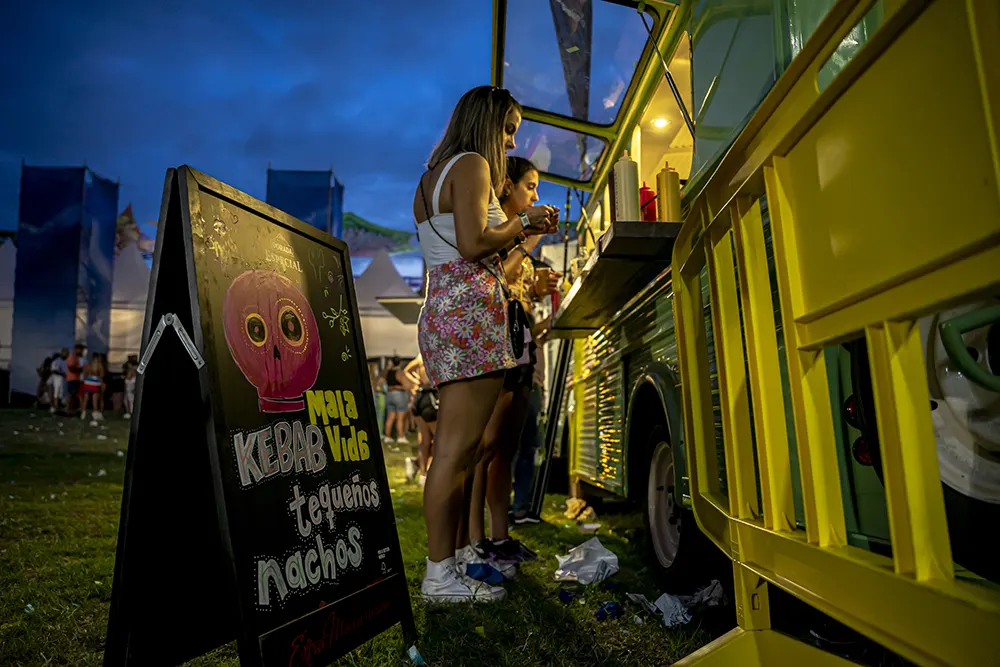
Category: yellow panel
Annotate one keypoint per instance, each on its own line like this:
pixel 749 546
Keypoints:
pixel 777 650
pixel 984 24
pixel 920 543
pixel 867 238
pixel 876 178
pixel 693 365
pixel 951 624
pixel 765 372
pixel 809 384
pixel 736 647
pixel 735 401
pixel 752 599
pixel 976 276
pixel 764 648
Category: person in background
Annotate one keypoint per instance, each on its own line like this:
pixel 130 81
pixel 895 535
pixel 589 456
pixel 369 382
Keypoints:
pixel 130 368
pixel 93 381
pixel 463 332
pixel 524 460
pixel 105 376
pixel 520 192
pixel 42 391
pixel 57 380
pixel 397 401
pixel 74 366
pixel 425 408
pixel 378 392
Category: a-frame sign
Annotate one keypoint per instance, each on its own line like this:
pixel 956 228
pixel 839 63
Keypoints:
pixel 256 505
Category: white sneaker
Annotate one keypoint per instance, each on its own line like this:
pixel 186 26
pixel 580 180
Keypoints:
pixel 401 440
pixel 443 584
pixel 99 416
pixel 411 469
pixel 83 415
pixel 52 411
pixel 422 481
pixel 127 415
pixel 467 555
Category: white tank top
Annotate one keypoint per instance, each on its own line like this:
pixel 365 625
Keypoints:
pixel 436 250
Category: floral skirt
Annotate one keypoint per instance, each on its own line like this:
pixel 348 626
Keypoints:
pixel 463 330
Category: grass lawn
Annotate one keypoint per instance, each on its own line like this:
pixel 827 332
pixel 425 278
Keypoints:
pixel 59 510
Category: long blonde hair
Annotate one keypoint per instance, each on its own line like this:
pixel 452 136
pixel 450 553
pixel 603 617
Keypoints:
pixel 476 126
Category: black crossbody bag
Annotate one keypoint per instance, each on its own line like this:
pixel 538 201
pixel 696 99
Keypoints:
pixel 517 319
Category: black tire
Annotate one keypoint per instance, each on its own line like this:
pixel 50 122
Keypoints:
pixel 968 520
pixel 694 561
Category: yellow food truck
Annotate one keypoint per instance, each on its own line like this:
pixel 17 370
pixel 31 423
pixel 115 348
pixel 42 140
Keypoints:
pixel 800 368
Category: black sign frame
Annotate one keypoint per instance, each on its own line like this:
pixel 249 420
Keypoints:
pixel 178 592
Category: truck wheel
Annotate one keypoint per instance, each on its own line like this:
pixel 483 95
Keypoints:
pixel 676 547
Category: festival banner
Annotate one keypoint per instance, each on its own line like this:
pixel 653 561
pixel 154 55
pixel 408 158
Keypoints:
pixel 46 273
pixel 100 207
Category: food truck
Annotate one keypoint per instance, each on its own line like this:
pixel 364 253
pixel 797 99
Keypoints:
pixel 795 360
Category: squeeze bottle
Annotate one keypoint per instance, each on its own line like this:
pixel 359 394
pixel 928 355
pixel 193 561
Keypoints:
pixel 626 189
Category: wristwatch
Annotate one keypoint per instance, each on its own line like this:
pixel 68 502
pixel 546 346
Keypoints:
pixel 525 223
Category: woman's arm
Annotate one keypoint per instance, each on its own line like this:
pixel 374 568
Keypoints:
pixel 512 265
pixel 470 196
pixel 411 371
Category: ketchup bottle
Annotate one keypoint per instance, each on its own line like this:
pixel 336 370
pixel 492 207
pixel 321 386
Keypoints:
pixel 647 203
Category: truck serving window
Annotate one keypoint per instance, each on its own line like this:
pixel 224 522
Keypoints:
pixel 575 58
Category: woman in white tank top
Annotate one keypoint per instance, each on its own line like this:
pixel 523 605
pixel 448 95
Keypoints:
pixel 463 332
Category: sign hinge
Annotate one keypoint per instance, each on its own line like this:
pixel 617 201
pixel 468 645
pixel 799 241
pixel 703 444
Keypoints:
pixel 170 320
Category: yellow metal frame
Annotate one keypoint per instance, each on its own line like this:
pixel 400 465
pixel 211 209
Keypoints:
pixel 884 200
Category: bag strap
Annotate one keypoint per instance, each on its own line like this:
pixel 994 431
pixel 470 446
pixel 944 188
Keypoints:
pixel 427 210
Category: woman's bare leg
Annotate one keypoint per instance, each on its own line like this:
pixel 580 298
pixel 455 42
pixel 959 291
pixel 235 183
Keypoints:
pixel 477 501
pixel 424 441
pixel 395 418
pixel 500 442
pixel 432 428
pixel 463 413
pixel 499 481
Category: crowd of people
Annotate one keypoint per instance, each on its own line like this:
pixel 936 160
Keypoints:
pixel 478 223
pixel 71 383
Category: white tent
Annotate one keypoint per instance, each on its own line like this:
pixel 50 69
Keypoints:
pixel 384 334
pixel 129 286
pixel 8 256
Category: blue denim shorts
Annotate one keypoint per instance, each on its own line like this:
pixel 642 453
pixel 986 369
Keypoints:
pixel 397 400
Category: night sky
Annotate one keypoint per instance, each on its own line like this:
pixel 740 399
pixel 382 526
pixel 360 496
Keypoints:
pixel 132 88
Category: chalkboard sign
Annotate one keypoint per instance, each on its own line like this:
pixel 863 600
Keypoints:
pixel 256 504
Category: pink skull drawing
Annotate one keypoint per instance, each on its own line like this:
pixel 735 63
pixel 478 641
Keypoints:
pixel 272 335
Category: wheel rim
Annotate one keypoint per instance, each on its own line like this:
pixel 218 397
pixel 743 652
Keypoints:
pixel 664 520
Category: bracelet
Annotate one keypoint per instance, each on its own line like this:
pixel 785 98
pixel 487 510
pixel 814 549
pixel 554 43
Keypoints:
pixel 519 239
pixel 524 252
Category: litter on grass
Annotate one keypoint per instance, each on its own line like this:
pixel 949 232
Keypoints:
pixel 608 611
pixel 588 563
pixel 677 610
pixel 573 507
pixel 415 656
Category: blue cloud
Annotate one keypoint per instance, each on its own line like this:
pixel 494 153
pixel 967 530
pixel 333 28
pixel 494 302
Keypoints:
pixel 135 88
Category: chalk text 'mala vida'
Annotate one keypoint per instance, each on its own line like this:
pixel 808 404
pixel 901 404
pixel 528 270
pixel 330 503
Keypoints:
pixel 293 445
